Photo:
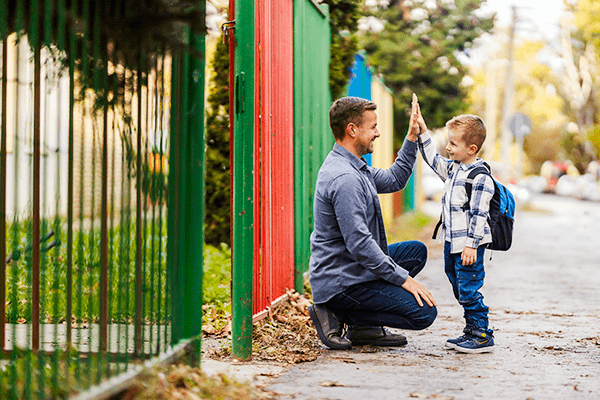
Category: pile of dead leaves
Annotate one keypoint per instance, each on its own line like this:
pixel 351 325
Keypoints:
pixel 184 382
pixel 286 333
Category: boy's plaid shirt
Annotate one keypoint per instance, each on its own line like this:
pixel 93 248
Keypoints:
pixel 459 227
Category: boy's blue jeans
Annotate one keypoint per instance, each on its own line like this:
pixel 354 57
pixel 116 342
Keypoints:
pixel 466 281
pixel 380 303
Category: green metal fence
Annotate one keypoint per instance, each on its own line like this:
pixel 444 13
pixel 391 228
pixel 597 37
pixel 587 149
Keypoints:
pixel 312 136
pixel 101 128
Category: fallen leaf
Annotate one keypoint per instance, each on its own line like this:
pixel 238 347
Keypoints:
pixel 418 395
pixel 330 384
pixel 209 329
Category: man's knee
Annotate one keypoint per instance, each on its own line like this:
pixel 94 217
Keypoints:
pixel 426 317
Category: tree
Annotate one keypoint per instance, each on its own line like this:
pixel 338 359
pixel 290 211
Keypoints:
pixel 218 184
pixel 343 18
pixel 417 52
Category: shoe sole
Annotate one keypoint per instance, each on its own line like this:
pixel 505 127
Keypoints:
pixel 398 343
pixel 475 351
pixel 326 342
pixel 450 346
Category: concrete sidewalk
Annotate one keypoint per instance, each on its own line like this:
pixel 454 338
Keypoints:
pixel 544 297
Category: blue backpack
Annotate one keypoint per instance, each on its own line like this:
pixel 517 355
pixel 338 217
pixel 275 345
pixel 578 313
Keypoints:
pixel 502 210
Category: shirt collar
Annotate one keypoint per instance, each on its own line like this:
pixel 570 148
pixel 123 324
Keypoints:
pixel 474 164
pixel 358 163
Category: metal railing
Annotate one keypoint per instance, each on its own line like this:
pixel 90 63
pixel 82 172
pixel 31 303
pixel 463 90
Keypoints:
pixel 95 141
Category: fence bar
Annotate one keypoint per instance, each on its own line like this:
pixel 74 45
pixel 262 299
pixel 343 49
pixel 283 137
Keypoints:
pixel 3 193
pixel 242 166
pixel 186 188
pixel 35 240
pixel 138 220
pixel 104 219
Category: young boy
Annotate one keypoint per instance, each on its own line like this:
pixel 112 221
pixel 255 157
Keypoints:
pixel 464 224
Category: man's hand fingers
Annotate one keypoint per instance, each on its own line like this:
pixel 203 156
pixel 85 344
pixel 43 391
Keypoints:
pixel 418 298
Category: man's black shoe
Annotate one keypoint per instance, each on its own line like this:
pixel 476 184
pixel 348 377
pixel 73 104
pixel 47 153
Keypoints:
pixel 375 336
pixel 329 328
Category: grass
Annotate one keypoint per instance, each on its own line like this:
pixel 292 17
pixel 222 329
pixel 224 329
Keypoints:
pixel 408 226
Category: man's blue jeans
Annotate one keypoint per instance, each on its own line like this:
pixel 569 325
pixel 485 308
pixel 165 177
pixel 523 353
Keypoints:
pixel 466 280
pixel 380 303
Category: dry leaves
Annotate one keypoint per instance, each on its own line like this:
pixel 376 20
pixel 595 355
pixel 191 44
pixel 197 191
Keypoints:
pixel 187 383
pixel 285 335
pixel 419 395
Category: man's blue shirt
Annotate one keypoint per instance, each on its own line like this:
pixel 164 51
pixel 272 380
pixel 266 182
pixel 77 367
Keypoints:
pixel 348 244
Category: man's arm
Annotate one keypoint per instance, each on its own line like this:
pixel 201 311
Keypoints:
pixel 395 178
pixel 349 201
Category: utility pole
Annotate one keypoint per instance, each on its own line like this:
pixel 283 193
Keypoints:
pixel 507 105
pixel 491 110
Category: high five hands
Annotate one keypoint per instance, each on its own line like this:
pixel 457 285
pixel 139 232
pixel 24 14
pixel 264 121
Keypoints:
pixel 416 125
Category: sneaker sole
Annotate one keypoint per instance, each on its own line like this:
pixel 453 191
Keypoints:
pixel 450 346
pixel 326 342
pixel 480 350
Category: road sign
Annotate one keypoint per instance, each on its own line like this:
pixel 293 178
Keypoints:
pixel 520 125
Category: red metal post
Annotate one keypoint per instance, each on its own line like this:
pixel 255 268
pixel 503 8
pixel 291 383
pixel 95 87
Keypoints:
pixel 274 157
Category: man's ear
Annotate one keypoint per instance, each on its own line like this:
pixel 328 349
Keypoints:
pixel 351 129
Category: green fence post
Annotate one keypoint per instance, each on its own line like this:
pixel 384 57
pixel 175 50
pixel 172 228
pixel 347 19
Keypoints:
pixel 186 188
pixel 243 181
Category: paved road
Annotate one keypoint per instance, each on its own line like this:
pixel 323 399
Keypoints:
pixel 544 297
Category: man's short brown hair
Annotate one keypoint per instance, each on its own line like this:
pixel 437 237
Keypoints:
pixel 346 110
pixel 472 128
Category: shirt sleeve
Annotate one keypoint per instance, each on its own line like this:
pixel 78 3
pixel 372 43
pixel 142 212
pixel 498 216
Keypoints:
pixel 397 175
pixel 348 197
pixel 479 208
pixel 439 164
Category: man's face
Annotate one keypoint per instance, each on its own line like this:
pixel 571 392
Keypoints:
pixel 366 133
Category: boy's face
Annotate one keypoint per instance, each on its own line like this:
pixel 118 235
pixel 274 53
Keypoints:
pixel 458 150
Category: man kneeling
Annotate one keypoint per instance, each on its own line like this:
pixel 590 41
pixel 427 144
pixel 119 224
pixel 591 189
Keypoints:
pixel 356 278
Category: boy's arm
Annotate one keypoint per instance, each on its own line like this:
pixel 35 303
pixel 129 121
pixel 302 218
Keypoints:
pixel 479 208
pixel 439 164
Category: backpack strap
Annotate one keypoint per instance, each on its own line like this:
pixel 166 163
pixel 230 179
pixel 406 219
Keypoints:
pixel 437 227
pixel 484 169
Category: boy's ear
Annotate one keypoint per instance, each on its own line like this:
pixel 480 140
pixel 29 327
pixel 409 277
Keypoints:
pixel 473 149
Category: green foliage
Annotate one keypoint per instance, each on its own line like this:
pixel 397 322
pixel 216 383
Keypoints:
pixel 218 183
pixel 216 281
pixel 54 376
pixel 578 150
pixel 343 17
pixel 594 138
pixel 415 54
pixel 86 273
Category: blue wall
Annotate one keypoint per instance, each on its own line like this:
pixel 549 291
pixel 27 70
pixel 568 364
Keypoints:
pixel 360 84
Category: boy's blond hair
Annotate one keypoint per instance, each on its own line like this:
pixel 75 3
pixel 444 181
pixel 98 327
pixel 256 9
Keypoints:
pixel 472 128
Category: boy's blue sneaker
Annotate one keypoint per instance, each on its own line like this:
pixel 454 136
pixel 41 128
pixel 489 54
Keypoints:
pixel 452 343
pixel 476 342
